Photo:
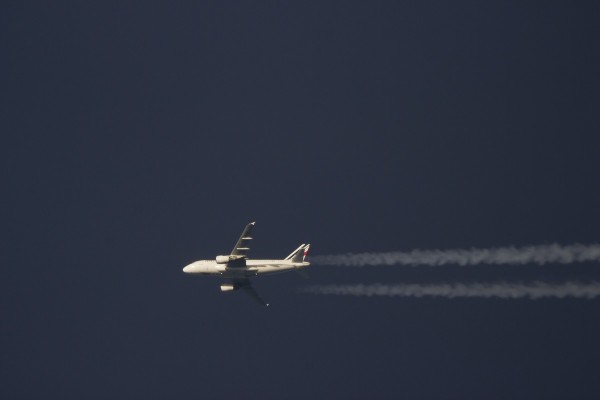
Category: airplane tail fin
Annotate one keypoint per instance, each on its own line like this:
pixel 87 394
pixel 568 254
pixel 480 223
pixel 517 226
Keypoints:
pixel 299 254
pixel 306 248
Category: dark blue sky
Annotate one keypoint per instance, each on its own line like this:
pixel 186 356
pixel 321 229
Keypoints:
pixel 138 138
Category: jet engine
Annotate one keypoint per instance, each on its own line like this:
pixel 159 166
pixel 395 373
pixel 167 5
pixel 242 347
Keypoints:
pixel 233 261
pixel 223 259
pixel 228 287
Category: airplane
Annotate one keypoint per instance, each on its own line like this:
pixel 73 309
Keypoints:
pixel 238 268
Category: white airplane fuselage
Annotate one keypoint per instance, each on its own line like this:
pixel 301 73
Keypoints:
pixel 237 268
pixel 251 268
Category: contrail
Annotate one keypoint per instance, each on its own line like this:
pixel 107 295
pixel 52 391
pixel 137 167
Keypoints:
pixel 540 255
pixel 501 290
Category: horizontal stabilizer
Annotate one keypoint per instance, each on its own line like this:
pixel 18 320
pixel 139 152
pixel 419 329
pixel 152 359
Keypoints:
pixel 295 251
pixel 299 254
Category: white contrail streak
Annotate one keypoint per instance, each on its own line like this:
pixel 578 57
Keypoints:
pixel 501 290
pixel 544 254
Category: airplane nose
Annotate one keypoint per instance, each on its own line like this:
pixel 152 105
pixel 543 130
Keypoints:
pixel 187 268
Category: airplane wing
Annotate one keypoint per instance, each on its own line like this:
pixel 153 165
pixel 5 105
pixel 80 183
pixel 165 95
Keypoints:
pixel 241 247
pixel 245 285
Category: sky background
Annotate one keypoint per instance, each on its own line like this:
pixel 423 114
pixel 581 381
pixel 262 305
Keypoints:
pixel 136 138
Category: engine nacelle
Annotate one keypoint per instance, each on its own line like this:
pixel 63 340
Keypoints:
pixel 223 259
pixel 228 287
pixel 237 260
